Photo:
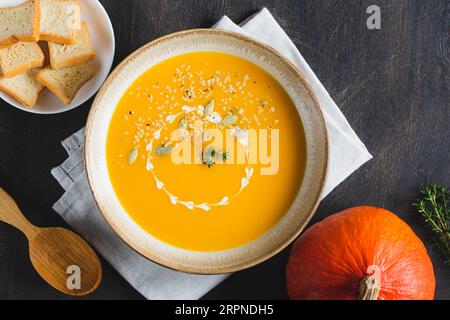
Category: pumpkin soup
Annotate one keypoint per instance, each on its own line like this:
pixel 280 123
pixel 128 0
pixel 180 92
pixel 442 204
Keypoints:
pixel 206 151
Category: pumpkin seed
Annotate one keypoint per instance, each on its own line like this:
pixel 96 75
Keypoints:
pixel 229 120
pixel 132 156
pixel 209 107
pixel 163 150
pixel 182 124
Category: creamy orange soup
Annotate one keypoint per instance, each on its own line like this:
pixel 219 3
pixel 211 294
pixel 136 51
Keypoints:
pixel 209 195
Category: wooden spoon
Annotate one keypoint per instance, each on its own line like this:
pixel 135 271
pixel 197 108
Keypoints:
pixel 61 257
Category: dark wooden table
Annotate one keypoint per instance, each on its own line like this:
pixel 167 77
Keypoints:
pixel 392 85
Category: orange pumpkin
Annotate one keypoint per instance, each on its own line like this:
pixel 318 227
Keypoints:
pixel 363 253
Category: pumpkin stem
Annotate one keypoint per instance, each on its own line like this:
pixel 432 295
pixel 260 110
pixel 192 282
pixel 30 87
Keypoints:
pixel 369 287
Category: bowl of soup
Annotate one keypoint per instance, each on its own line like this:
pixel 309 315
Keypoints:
pixel 206 151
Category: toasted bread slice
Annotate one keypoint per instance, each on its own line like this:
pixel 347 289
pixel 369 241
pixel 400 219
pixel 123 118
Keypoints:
pixel 67 55
pixel 23 87
pixel 66 82
pixel 20 57
pixel 60 20
pixel 21 22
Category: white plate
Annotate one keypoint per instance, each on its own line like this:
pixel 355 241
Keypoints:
pixel 102 37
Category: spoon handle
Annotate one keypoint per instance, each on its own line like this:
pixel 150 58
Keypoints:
pixel 11 214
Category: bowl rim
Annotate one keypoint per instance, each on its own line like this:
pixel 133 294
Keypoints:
pixel 216 269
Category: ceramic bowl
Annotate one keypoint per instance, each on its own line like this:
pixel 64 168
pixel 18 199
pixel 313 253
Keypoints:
pixel 306 200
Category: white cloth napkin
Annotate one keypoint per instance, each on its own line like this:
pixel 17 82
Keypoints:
pixel 78 209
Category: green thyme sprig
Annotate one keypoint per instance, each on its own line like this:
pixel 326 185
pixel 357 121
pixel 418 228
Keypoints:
pixel 434 207
pixel 210 155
